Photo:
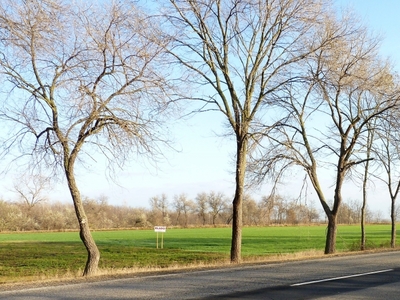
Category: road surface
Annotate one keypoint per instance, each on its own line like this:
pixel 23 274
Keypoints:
pixel 366 276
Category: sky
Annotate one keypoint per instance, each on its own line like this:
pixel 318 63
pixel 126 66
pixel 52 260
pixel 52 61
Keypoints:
pixel 382 17
pixel 205 161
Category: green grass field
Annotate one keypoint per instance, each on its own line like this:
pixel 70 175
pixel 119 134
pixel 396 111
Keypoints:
pixel 32 256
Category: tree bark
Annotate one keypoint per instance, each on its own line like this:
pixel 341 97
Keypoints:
pixel 330 245
pixel 362 246
pixel 93 258
pixel 370 140
pixel 364 204
pixel 236 247
pixel 330 242
pixel 237 216
pixel 393 221
pixel 84 229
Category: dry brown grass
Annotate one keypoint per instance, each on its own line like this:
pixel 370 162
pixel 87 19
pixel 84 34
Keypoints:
pixel 106 274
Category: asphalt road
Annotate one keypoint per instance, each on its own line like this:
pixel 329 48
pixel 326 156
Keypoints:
pixel 366 276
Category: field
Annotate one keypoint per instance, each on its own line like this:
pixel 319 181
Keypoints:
pixel 44 255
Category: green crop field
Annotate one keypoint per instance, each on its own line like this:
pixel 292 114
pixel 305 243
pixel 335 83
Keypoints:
pixel 42 255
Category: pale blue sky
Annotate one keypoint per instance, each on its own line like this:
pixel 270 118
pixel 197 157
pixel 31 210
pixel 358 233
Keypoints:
pixel 382 16
pixel 206 161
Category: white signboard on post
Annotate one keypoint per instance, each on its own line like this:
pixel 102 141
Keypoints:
pixel 161 229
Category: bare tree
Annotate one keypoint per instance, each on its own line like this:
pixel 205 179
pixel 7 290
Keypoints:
pixel 349 214
pixel 387 150
pixel 159 205
pixel 365 180
pixel 279 210
pixel 184 206
pixel 240 54
pixel 201 207
pixel 251 212
pixel 217 204
pixel 327 113
pixel 31 188
pixel 81 77
pixel 266 206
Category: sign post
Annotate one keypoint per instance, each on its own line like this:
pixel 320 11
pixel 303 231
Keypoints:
pixel 160 229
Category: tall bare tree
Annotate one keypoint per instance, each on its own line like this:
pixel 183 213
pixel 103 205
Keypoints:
pixel 365 180
pixel 82 79
pixel 387 150
pixel 328 113
pixel 238 55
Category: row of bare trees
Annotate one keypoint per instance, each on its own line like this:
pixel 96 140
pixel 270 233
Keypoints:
pixel 206 209
pixel 299 84
pixel 335 118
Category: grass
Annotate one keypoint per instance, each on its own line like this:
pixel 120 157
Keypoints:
pixel 44 255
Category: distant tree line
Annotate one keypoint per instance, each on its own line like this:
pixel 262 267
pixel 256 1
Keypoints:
pixel 206 209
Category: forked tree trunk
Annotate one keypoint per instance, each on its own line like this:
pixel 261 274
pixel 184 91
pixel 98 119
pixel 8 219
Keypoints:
pixel 330 241
pixel 330 245
pixel 237 221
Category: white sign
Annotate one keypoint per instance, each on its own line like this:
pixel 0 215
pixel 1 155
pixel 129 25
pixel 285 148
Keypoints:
pixel 160 228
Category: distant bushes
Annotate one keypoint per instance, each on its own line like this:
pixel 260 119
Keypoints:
pixel 61 216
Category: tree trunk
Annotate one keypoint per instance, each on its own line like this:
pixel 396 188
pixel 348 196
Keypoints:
pixel 365 181
pixel 330 245
pixel 237 221
pixel 214 217
pixel 362 246
pixel 363 208
pixel 393 220
pixel 236 247
pixel 93 258
pixel 330 242
pixel 84 229
pixel 364 205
